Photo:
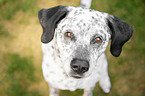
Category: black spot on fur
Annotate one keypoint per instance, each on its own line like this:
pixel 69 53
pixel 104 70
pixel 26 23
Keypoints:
pixel 52 47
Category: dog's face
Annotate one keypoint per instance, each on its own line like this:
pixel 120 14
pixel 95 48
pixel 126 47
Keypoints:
pixel 81 36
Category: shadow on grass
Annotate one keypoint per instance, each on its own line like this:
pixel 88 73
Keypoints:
pixel 78 92
pixel 18 76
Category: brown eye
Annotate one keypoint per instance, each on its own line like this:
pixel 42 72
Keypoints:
pixel 98 39
pixel 69 34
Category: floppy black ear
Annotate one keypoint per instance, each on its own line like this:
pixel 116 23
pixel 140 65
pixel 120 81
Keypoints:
pixel 121 33
pixel 48 19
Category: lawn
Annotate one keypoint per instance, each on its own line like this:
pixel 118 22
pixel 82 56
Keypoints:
pixel 21 56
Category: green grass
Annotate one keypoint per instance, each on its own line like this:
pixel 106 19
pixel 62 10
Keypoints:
pixel 10 7
pixel 78 92
pixel 19 74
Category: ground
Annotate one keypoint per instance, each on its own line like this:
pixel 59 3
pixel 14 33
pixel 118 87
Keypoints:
pixel 21 56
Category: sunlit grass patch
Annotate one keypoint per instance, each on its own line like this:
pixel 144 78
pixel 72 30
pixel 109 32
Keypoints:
pixel 19 75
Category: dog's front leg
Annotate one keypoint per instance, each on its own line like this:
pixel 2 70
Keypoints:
pixel 105 83
pixel 53 91
pixel 104 77
pixel 88 92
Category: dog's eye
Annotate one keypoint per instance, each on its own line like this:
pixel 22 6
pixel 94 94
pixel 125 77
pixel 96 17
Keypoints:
pixel 98 39
pixel 69 34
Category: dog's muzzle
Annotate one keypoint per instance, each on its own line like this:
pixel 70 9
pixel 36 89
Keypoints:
pixel 79 66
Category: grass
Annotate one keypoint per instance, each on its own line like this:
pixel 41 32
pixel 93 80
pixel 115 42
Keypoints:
pixel 3 32
pixel 21 56
pixel 18 76
pixel 10 7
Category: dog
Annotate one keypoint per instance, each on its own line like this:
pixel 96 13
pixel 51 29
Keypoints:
pixel 73 43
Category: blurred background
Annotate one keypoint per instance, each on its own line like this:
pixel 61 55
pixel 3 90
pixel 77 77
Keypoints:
pixel 21 56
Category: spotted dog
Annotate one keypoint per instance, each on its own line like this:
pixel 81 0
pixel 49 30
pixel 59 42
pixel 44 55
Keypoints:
pixel 73 43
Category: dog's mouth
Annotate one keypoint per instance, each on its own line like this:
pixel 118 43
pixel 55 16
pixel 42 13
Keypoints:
pixel 77 76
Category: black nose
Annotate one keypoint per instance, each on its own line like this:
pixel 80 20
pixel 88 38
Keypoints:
pixel 79 65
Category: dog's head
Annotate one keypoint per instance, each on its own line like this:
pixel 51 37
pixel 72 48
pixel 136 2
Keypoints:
pixel 81 36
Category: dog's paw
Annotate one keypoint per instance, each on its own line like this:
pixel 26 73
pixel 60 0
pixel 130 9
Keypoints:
pixel 105 85
pixel 106 90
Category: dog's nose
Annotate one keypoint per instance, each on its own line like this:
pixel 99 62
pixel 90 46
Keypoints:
pixel 79 65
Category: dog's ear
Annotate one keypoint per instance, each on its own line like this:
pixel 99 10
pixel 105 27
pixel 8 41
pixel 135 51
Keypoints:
pixel 48 19
pixel 121 32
